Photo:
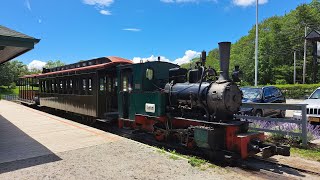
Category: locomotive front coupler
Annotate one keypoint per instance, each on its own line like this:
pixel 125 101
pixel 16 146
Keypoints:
pixel 268 150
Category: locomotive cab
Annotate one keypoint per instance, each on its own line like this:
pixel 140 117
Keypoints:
pixel 141 88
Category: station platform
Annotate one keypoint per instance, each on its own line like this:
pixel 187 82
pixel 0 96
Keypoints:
pixel 26 133
pixel 37 145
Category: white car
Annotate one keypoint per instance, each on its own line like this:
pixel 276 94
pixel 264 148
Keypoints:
pixel 313 107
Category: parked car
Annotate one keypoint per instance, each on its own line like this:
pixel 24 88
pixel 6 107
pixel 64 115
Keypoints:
pixel 313 107
pixel 267 94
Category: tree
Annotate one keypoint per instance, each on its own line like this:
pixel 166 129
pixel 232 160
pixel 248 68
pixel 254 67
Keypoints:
pixel 279 37
pixel 11 71
pixel 53 64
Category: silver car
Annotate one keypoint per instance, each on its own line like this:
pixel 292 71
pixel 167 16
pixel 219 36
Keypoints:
pixel 313 107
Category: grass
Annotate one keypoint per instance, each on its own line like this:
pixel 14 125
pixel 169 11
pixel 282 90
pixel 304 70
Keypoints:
pixel 192 160
pixel 196 162
pixel 311 154
pixel 6 91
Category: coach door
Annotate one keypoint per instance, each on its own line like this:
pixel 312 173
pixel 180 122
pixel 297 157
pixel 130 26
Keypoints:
pixel 111 92
pixel 124 92
pixel 102 105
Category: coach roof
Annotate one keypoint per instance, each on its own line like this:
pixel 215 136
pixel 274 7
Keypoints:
pixel 99 63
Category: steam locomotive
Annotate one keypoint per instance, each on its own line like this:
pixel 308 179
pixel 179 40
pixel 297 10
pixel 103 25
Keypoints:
pixel 194 108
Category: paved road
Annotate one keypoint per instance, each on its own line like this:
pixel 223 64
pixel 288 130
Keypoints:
pixel 289 113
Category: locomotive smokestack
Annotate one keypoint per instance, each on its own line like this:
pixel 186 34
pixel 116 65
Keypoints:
pixel 203 57
pixel 224 51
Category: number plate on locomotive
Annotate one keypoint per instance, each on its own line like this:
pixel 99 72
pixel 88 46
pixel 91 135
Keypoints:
pixel 150 108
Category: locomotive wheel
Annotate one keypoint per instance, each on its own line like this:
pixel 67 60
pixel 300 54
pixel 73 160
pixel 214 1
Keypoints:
pixel 159 135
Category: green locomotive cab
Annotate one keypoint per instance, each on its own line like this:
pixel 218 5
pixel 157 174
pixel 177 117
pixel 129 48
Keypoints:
pixel 141 88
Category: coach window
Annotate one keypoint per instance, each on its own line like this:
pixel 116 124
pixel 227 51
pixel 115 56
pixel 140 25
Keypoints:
pixel 70 86
pixel 47 86
pixel 40 85
pixel 52 86
pixel 61 87
pixel 76 86
pixel 56 86
pixel 115 85
pixel 84 86
pixel 90 86
pixel 66 86
pixel 109 84
pixel 101 84
pixel 44 86
pixel 125 83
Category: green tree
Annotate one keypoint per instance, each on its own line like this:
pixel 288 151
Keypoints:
pixel 53 64
pixel 11 71
pixel 279 37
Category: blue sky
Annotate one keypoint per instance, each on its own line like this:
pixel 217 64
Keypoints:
pixel 73 30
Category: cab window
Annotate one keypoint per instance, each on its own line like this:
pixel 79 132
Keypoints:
pixel 149 74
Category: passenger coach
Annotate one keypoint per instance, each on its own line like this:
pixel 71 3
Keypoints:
pixel 87 87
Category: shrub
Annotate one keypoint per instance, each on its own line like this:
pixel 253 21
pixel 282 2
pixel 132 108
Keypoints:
pixel 296 91
pixel 12 85
pixel 281 81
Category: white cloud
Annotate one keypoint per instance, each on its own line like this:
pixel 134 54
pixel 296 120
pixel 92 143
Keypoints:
pixel 188 56
pixel 132 29
pixel 105 12
pixel 36 64
pixel 151 58
pixel 100 3
pixel 245 3
pixel 187 1
pixel 27 3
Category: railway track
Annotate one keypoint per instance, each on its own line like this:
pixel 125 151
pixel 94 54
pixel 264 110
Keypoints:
pixel 255 165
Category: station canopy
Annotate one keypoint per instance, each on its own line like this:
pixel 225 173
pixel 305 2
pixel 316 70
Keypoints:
pixel 13 44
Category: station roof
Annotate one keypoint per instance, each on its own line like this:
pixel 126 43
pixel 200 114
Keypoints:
pixel 13 44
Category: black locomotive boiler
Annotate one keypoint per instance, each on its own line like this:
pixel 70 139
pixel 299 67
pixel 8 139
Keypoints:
pixel 213 100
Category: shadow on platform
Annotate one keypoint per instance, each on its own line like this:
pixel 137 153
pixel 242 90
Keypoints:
pixel 273 166
pixel 18 150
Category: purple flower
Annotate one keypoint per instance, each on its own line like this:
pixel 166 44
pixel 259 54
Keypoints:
pixel 313 132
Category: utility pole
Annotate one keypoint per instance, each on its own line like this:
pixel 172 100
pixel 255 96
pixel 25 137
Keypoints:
pixel 256 48
pixel 294 67
pixel 305 55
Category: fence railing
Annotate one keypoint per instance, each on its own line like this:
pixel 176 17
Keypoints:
pixel 16 98
pixel 10 97
pixel 280 106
